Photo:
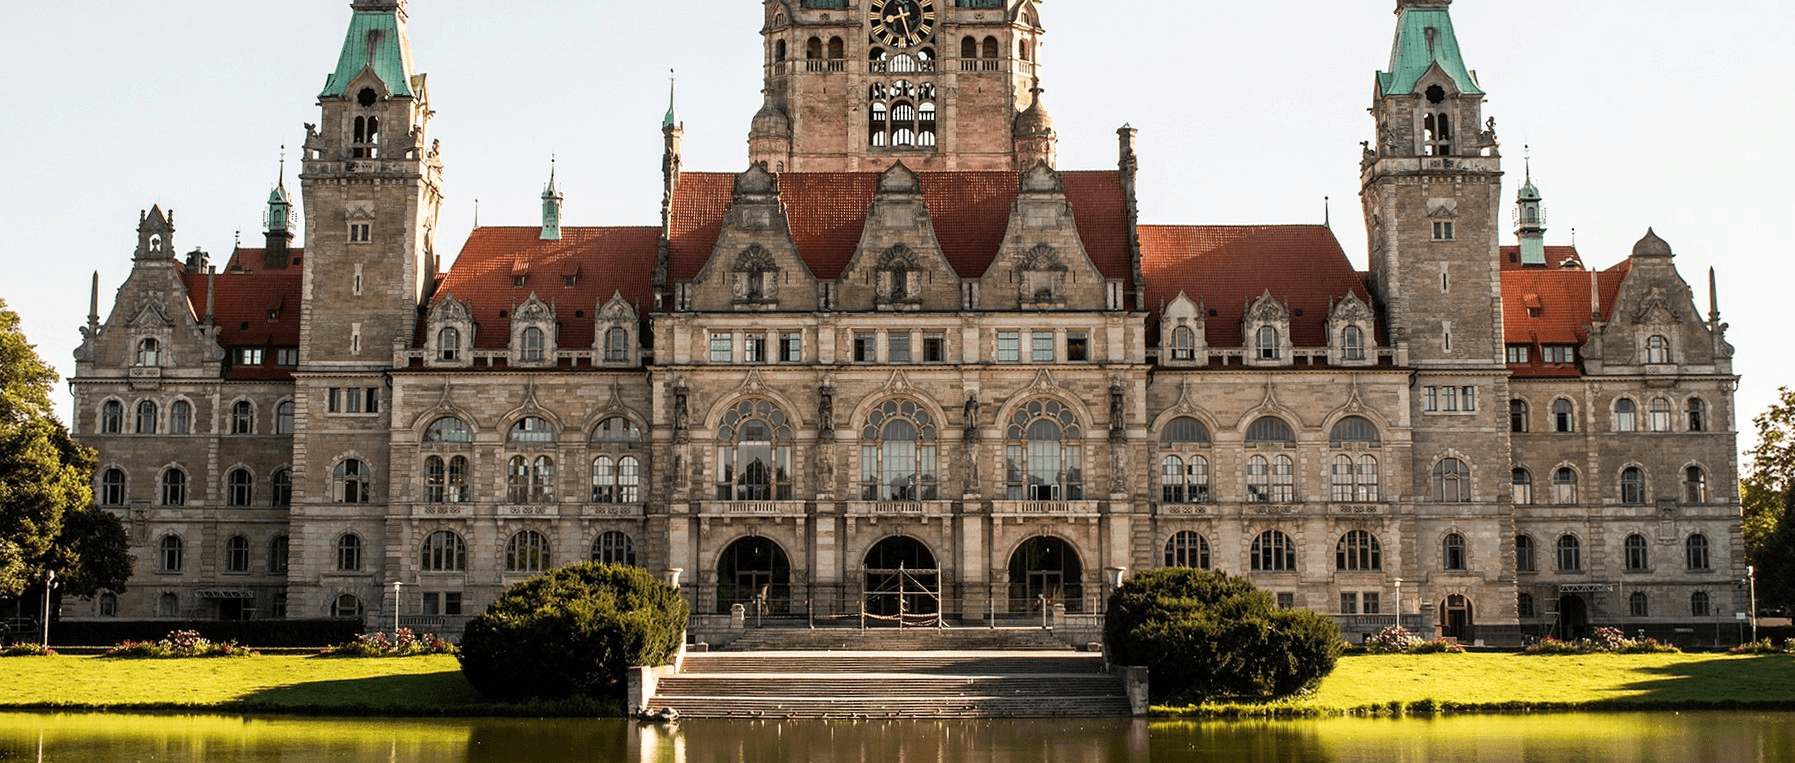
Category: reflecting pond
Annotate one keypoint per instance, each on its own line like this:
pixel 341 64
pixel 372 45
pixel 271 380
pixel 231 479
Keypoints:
pixel 1631 737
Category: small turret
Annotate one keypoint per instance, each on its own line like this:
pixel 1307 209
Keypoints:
pixel 1034 135
pixel 277 222
pixel 1530 222
pixel 551 208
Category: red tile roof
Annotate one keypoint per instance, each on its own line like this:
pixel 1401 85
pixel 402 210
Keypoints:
pixel 246 296
pixel 1555 256
pixel 606 261
pixel 1226 267
pixel 827 212
pixel 1561 297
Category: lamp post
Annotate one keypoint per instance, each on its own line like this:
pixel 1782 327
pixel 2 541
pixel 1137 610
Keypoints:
pixel 49 583
pixel 1398 582
pixel 396 587
pixel 1751 581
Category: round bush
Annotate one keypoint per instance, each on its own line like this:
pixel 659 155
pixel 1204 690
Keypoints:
pixel 573 632
pixel 1204 635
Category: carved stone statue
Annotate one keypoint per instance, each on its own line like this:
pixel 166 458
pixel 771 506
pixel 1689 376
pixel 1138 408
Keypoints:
pixel 1118 424
pixel 969 465
pixel 825 411
pixel 825 472
pixel 971 414
pixel 681 413
pixel 1118 469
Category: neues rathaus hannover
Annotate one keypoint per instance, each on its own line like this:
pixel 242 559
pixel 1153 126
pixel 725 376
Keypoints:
pixel 901 362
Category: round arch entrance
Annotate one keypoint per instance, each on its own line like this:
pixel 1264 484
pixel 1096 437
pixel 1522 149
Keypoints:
pixel 751 572
pixel 1573 617
pixel 1046 570
pixel 902 582
pixel 1456 620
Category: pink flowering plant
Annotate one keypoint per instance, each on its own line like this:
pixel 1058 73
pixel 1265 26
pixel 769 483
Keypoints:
pixel 178 644
pixel 1396 639
pixel 1603 641
pixel 27 649
pixel 403 643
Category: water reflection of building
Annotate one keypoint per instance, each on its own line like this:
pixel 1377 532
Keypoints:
pixel 904 358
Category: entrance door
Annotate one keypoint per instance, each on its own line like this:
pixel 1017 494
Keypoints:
pixel 901 580
pixel 1045 572
pixel 1573 617
pixel 751 571
pixel 1455 618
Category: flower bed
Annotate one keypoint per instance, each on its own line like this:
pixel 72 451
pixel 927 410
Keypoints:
pixel 178 645
pixel 1605 641
pixel 403 643
pixel 1398 640
pixel 1765 646
pixel 27 650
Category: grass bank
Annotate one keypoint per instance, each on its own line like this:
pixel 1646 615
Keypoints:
pixel 409 686
pixel 1425 684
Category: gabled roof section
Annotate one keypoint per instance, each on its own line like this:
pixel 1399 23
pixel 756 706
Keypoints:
pixel 376 40
pixel 602 262
pixel 253 308
pixel 1424 38
pixel 827 212
pixel 1226 267
pixel 1554 306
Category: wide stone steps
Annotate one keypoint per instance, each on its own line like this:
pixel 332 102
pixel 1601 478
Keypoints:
pixel 883 685
pixel 894 640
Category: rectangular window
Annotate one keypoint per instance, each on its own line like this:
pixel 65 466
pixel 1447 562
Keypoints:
pixel 452 603
pixel 286 356
pixel 358 233
pixel 1517 353
pixel 1443 231
pixel 1370 604
pixel 336 401
pixel 1449 398
pixel 1009 347
pixel 432 603
pixel 934 348
pixel 1078 347
pixel 1287 601
pixel 1561 353
pixel 1468 398
pixel 897 347
pixel 754 348
pixel 1349 603
pixel 722 348
pixel 864 349
pixel 1041 347
pixel 791 347
pixel 371 396
pixel 249 356
pixel 1430 399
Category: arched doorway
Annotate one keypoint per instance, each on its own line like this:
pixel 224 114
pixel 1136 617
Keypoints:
pixel 751 571
pixel 902 580
pixel 1046 567
pixel 1456 618
pixel 1573 617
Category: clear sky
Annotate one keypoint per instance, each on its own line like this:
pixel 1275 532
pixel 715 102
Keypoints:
pixel 1661 113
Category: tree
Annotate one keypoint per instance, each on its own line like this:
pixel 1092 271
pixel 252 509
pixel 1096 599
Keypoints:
pixel 1767 493
pixel 44 473
pixel 1204 635
pixel 574 632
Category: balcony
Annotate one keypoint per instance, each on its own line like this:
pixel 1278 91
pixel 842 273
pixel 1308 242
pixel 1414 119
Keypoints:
pixel 900 508
pixel 754 508
pixel 1045 508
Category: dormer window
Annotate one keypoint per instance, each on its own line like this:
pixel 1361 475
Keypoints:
pixel 1352 342
pixel 149 353
pixel 1266 346
pixel 532 345
pixel 448 343
pixel 1657 350
pixel 1184 344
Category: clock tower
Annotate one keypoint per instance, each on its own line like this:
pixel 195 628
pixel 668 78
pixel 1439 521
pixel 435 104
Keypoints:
pixel 857 85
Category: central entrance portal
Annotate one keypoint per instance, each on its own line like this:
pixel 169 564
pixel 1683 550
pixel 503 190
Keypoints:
pixel 1043 572
pixel 902 583
pixel 755 573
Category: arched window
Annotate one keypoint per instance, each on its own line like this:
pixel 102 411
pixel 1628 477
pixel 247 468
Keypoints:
pixel 1451 481
pixel 1270 429
pixel 243 418
pixel 1184 430
pixel 527 551
pixel 108 604
pixel 1524 606
pixel 349 552
pixel 112 417
pixel 170 556
pixel 346 606
pixel 149 353
pixel 898 453
pixel 1184 480
pixel 813 49
pixel 180 418
pixel 446 480
pixel 168 605
pixel 1266 345
pixel 1698 604
pixel 236 555
pixel 279 553
pixel 1564 416
pixel 1352 342
pixel 616 480
pixel 283 418
pixel 451 429
pixel 1358 551
pixel 1632 486
pixel 1184 344
pixel 1273 551
pixel 146 417
pixel 1353 429
pixel 779 51
pixel 1564 486
pixel 1452 552
pixel 174 488
pixel 1271 480
pixel 1698 415
pixel 281 488
pixel 1625 416
pixel 1517 416
pixel 754 453
pixel 616 345
pixel 532 345
pixel 351 480
pixel 1637 556
pixel 837 50
pixel 1695 485
pixel 530 481
pixel 614 548
pixel 448 344
pixel 1660 415
pixel 1695 552
pixel 444 551
pixel 1341 478
pixel 112 487
pixel 1657 349
pixel 990 47
pixel 1526 556
pixel 1043 457
pixel 1523 487
pixel 1637 604
pixel 1365 488
pixel 532 429
pixel 240 488
pixel 1187 549
pixel 969 47
pixel 1570 554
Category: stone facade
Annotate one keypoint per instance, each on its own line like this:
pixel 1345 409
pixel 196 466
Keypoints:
pixel 910 380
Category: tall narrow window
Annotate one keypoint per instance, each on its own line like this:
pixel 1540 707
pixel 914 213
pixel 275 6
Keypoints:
pixel 616 345
pixel 1698 415
pixel 1523 487
pixel 1625 416
pixel 1657 349
pixel 112 487
pixel 1570 554
pixel 1564 486
pixel 1526 556
pixel 170 553
pixel 1517 416
pixel 1563 416
pixel 174 488
pixel 280 488
pixel 1273 551
pixel 1695 485
pixel 236 555
pixel 1695 552
pixel 149 353
pixel 1659 415
pixel 1451 481
pixel 898 453
pixel 180 417
pixel 1184 344
pixel 1632 485
pixel 240 488
pixel 243 418
pixel 351 479
pixel 112 417
pixel 532 351
pixel 349 552
pixel 146 417
pixel 279 554
pixel 1266 345
pixel 448 344
pixel 1352 341
pixel 1452 552
pixel 1636 551
pixel 283 418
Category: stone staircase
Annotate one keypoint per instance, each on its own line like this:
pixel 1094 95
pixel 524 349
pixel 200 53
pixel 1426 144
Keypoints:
pixel 894 640
pixel 884 685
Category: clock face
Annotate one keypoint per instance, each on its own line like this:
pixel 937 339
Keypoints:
pixel 903 23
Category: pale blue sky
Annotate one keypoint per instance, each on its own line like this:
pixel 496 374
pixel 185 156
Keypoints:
pixel 1642 113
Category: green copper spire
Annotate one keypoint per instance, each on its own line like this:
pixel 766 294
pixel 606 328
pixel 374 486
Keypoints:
pixel 1530 221
pixel 280 203
pixel 376 41
pixel 551 207
pixel 1425 39
pixel 672 119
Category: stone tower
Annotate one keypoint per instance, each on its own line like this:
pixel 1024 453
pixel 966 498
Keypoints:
pixel 938 84
pixel 372 185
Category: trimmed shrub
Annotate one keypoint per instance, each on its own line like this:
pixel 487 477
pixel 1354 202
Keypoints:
pixel 1764 646
pixel 27 649
pixel 573 632
pixel 178 645
pixel 404 643
pixel 1204 635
